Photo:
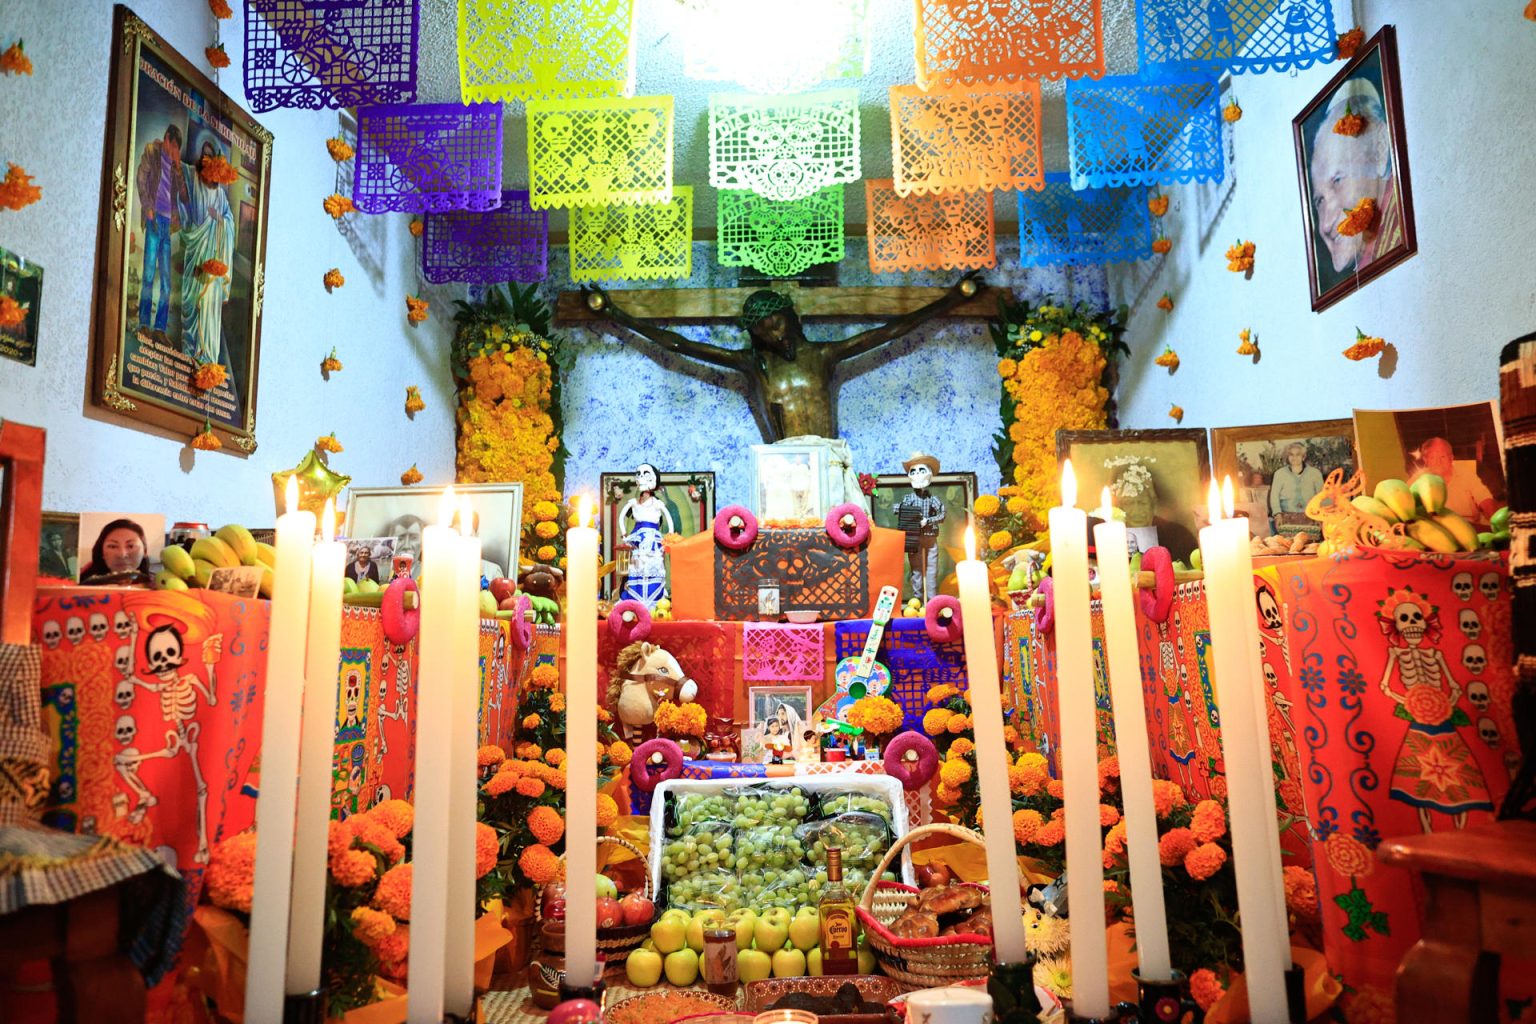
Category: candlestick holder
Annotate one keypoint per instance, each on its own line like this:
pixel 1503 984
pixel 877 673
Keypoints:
pixel 1072 1018
pixel 1296 994
pixel 1160 1001
pixel 305 1007
pixel 1012 988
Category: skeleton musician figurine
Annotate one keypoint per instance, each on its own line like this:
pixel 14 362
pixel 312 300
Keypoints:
pixel 789 380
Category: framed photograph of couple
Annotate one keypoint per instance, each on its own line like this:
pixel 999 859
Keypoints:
pixel 1276 468
pixel 1156 477
pixel 1350 149
pixel 182 246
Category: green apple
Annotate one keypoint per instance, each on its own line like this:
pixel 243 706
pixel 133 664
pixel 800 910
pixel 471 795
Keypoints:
pixel 789 963
pixel 605 887
pixel 702 920
pixel 682 967
pixel 805 929
pixel 772 929
pixel 643 968
pixel 669 934
pixel 487 603
pixel 753 965
pixel 744 922
pixel 813 963
pixel 866 961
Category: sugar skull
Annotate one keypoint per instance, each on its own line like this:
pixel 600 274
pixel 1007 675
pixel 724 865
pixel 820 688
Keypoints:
pixel 1461 585
pixel 99 627
pixel 1488 584
pixel 74 628
pixel 125 730
pixel 1488 731
pixel 351 695
pixel 556 131
pixel 1474 659
pixel 122 624
pixel 1477 694
pixel 51 634
pixel 1470 624
pixel 1409 619
pixel 122 693
pixel 122 660
pixel 381 794
pixel 1269 609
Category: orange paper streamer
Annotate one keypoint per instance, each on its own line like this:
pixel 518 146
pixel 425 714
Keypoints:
pixel 966 138
pixel 1008 40
pixel 953 231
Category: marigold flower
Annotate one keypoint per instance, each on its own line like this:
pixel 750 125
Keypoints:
pixel 220 9
pixel 554 755
pixel 1162 244
pixel 338 205
pixel 1054 788
pixel 490 756
pixel 1050 833
pixel 1358 219
pixel 215 170
pixel 393 895
pixel 1209 822
pixel 531 721
pixel 328 443
pixel 1240 257
pixel 1348 43
pixel 1166 796
pixel 1108 815
pixel 339 149
pixel 955 774
pixel 1000 540
pixel 619 752
pixel 544 677
pixel 333 279
pixel 1174 845
pixel 607 810
pixel 1351 124
pixel 936 720
pixel 396 815
pixel 530 787
pixel 17 190
pixel 354 868
pixel 959 748
pixel 371 927
pixel 1300 892
pixel 216 56
pixel 1165 303
pixel 1205 989
pixel 394 948
pixel 499 784
pixel 207 440
pixel 1017 505
pixel 1026 824
pixel 487 849
pixel 540 864
pixel 1168 358
pixel 546 531
pixel 366 829
pixel 14 61
pixel 1204 861
pixel 1158 205
pixel 1109 768
pixel 330 364
pixel 1248 346
pixel 1114 841
pixel 1007 368
pixel 986 505
pixel 1176 413
pixel 1232 113
pixel 941 692
pixel 1364 347
pixel 958 724
pixel 413 400
pixel 415 309
pixel 410 476
pixel 208 376
pixel 231 872
pixel 416 228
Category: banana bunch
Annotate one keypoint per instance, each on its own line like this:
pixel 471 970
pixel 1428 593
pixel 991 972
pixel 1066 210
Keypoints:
pixel 230 547
pixel 1427 524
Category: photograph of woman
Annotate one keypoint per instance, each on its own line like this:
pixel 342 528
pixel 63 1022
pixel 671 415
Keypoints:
pixel 121 546
pixel 646 580
pixel 1294 483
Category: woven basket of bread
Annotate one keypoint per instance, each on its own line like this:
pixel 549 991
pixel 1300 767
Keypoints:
pixel 898 920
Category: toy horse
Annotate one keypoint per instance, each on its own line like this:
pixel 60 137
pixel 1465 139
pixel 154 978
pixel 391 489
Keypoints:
pixel 645 676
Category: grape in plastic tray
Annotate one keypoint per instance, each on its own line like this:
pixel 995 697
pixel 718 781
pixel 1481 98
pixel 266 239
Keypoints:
pixel 863 838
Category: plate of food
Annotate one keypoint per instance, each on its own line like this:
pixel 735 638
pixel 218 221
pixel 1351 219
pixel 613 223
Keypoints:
pixel 654 1007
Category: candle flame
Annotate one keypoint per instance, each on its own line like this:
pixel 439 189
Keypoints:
pixel 970 543
pixel 466 517
pixel 1213 503
pixel 291 494
pixel 1228 505
pixel 584 511
pixel 1068 485
pixel 328 521
pixel 1106 506
pixel 445 508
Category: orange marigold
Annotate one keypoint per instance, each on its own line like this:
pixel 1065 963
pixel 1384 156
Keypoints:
pixel 393 896
pixel 1247 345
pixel 410 476
pixel 1204 861
pixel 1348 43
pixel 936 720
pixel 1054 788
pixel 371 927
pixel 330 364
pixel 1364 347
pixel 499 783
pixel 337 205
pixel 1174 846
pixel 1108 815
pixel 487 849
pixel 1209 822
pixel 339 149
pixel 17 190
pixel 398 816
pixel 1114 839
pixel 530 787
pixel 207 440
pixel 220 9
pixel 328 443
pixel 1300 892
pixel 1166 796
pixel 1026 825
pixel 214 268
pixel 215 170
pixel 1360 218
pixel 413 400
pixel 544 677
pixel 1232 113
pixel 607 810
pixel 955 774
pixel 231 872
pixel 354 868
pixel 1158 205
pixel 1165 303
pixel 540 864
pixel 959 748
pixel 14 61
pixel 1109 768
pixel 1240 257
pixel 557 779
pixel 603 714
pixel 333 279
pixel 1176 413
pixel 554 755
pixel 531 721
pixel 395 946
pixel 1205 989
pixel 373 831
pixel 338 839
pixel 946 796
pixel 1168 358
pixel 12 313
pixel 490 756
pixel 958 724
pixel 1162 245
pixel 1351 124
pixel 216 56
pixel 1051 833
pixel 208 376
pixel 416 228
pixel 415 309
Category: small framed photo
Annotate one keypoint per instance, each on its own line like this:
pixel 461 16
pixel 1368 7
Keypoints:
pixel 58 548
pixel 632 522
pixel 1157 477
pixel 398 514
pixel 1350 147
pixel 790 482
pixel 958 493
pixel 370 558
pixel 1462 444
pixel 790 706
pixel 752 751
pixel 1276 468
pixel 112 543
pixel 242 581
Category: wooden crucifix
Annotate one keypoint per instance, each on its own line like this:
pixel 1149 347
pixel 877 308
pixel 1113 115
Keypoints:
pixel 789 380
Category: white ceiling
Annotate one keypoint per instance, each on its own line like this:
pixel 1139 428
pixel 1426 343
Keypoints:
pixel 660 71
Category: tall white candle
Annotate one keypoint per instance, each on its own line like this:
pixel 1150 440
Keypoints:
pixel 436 679
pixel 306 921
pixel 459 992
pixel 1079 751
pixel 1125 689
pixel 1229 598
pixel 273 878
pixel 991 752
pixel 581 746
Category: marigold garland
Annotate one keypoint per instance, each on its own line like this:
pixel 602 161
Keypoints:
pixel 1240 257
pixel 12 313
pixel 208 376
pixel 14 61
pixel 340 151
pixel 215 170
pixel 1232 113
pixel 1162 244
pixel 220 9
pixel 337 205
pixel 17 190
pixel 1364 347
pixel 207 440
pixel 1359 219
pixel 415 309
pixel 1176 413
pixel 1348 43
pixel 1169 358
pixel 410 476
pixel 1248 346
pixel 1158 205
pixel 413 400
pixel 216 56
pixel 1165 303
pixel 333 279
pixel 328 443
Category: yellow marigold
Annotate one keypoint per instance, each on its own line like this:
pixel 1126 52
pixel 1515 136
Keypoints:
pixel 490 756
pixel 371 927
pixel 619 752
pixel 415 309
pixel 487 849
pixel 1006 368
pixel 554 755
pixel 1209 822
pixel 875 714
pixel 1204 861
pixel 958 724
pixel 328 443
pixel 208 376
pixel 410 476
pixel 1240 257
pixel 393 896
pixel 207 440
pixel 945 796
pixel 231 872
pixel 987 505
pixel 397 815
pixel 1026 823
pixel 545 511
pixel 1050 833
pixel 1247 346
pixel 217 57
pixel 1300 892
pixel 532 788
pixel 1166 796
pixel 330 364
pixel 413 400
pixel 354 868
pixel 339 149
pixel 1001 540
pixel 540 864
pixel 544 677
pixel 1205 988
pixel 546 530
pixel 556 702
pixel 14 61
pixel 607 810
pixel 337 205
pixel 546 553
pixel 940 693
pixel 960 748
pixel 955 774
pixel 1232 113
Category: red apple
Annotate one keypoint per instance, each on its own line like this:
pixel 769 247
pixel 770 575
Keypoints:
pixel 610 913
pixel 637 909
pixel 506 604
pixel 502 588
pixel 932 876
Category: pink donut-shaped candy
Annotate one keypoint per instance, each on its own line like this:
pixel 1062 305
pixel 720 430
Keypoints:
pixel 645 775
pixel 943 628
pixel 911 776
pixel 1156 603
pixel 400 622
pixel 848 525
pixel 737 536
pixel 1045 615
pixel 629 621
pixel 522 629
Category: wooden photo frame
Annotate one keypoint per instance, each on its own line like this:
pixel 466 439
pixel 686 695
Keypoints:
pixel 1336 170
pixel 1269 487
pixel 690 501
pixel 1158 477
pixel 58 555
pixel 180 274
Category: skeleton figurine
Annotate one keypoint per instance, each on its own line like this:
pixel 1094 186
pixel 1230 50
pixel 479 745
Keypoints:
pixel 394 656
pixel 165 654
pixel 1435 769
pixel 127 762
pixel 918 515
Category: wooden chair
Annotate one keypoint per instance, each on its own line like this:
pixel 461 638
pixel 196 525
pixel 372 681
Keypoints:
pixel 94 980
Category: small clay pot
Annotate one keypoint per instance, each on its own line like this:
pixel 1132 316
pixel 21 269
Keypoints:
pixel 548 968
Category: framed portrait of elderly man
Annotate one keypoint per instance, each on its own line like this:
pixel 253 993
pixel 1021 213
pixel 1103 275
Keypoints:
pixel 1352 163
pixel 181 246
pixel 396 516
pixel 1156 477
pixel 1276 468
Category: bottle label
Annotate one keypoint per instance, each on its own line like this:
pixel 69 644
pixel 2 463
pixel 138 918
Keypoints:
pixel 837 930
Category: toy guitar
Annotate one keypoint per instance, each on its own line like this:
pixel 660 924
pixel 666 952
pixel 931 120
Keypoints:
pixel 856 677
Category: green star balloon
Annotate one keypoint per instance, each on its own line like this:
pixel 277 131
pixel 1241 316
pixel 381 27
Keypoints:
pixel 316 482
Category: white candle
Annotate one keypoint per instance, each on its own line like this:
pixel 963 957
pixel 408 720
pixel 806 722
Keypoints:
pixel 991 752
pixel 1125 689
pixel 436 679
pixel 306 921
pixel 581 750
pixel 459 992
pixel 284 696
pixel 1229 598
pixel 1079 751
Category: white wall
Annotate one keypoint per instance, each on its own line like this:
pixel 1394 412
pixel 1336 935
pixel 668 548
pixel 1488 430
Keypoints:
pixel 1467 103
pixel 52 125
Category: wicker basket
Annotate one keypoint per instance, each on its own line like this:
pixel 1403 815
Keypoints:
pixel 615 944
pixel 926 963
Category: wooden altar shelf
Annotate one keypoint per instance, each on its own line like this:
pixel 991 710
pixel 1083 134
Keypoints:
pixel 705 305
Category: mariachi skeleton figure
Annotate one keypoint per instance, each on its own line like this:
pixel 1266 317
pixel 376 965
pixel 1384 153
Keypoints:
pixel 179 693
pixel 1435 770
pixel 125 730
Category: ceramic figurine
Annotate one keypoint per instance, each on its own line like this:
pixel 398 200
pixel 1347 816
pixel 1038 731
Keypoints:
pixel 646 580
pixel 918 515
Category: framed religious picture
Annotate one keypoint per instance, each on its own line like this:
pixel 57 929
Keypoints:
pixel 1462 444
pixel 789 482
pixel 1157 477
pixel 58 554
pixel 182 245
pixel 634 521
pixel 1352 165
pixel 1276 468
pixel 398 515
pixel 957 492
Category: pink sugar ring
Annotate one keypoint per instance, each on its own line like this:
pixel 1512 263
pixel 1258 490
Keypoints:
pixel 645 775
pixel 1157 602
pixel 629 621
pixel 400 623
pixel 735 528
pixel 848 525
pixel 1045 615
pixel 522 629
pixel 943 628
pixel 911 774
